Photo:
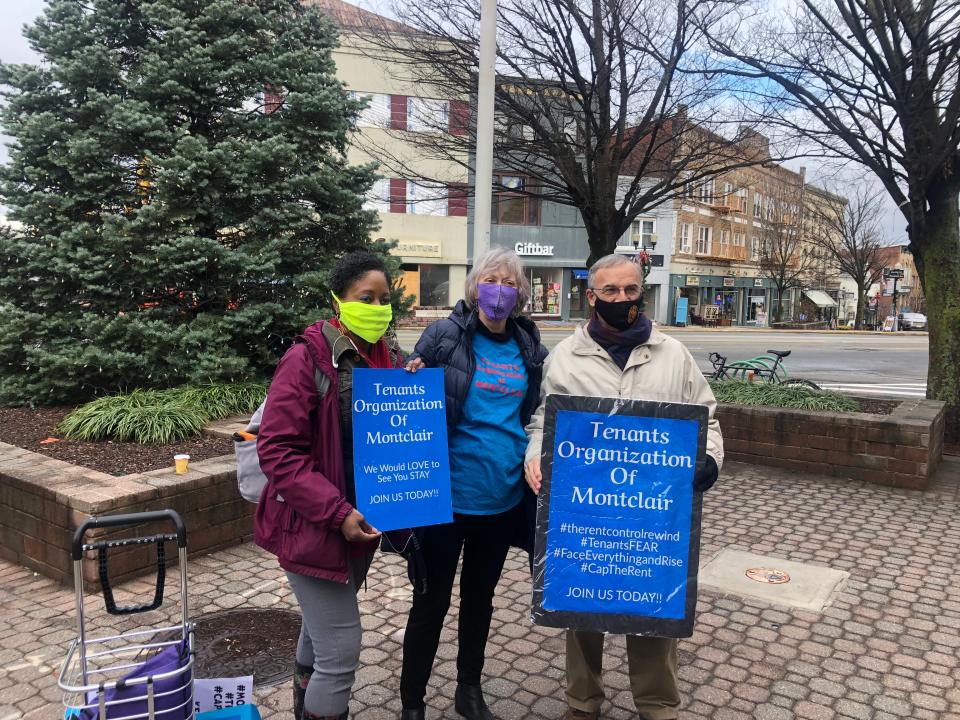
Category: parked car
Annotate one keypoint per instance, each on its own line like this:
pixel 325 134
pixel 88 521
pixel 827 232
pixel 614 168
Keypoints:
pixel 913 321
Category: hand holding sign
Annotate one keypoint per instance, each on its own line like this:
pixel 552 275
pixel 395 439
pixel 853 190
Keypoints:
pixel 531 472
pixel 355 528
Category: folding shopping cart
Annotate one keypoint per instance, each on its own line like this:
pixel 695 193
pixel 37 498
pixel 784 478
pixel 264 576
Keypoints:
pixel 144 674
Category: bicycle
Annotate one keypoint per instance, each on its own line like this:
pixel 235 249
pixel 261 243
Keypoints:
pixel 768 369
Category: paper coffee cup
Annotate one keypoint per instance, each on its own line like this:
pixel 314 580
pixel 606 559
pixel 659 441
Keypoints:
pixel 181 462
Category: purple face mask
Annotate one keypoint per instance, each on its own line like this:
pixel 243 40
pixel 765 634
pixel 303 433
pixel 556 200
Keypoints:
pixel 496 301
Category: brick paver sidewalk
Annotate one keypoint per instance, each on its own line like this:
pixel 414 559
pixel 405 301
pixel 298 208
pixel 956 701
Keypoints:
pixel 887 647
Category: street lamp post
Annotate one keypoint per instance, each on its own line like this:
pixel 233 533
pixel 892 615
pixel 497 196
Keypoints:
pixel 896 274
pixel 483 170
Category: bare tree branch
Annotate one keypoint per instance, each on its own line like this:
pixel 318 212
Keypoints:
pixel 782 257
pixel 876 82
pixel 848 233
pixel 601 102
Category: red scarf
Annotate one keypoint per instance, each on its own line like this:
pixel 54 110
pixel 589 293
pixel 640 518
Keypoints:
pixel 378 356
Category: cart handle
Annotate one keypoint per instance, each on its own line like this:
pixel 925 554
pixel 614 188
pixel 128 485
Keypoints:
pixel 106 521
pixel 107 588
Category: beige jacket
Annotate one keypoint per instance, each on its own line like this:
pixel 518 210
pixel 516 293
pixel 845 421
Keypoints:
pixel 660 369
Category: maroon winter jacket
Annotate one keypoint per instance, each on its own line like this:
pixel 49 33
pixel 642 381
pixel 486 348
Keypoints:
pixel 304 502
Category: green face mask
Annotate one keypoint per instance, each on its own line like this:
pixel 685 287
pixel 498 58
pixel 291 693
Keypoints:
pixel 367 321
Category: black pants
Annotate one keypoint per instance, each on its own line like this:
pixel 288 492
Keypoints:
pixel 484 540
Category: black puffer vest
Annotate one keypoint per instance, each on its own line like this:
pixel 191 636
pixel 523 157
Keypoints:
pixel 448 344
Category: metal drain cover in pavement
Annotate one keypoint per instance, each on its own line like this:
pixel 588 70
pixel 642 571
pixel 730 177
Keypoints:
pixel 254 641
pixel 768 575
pixel 774 580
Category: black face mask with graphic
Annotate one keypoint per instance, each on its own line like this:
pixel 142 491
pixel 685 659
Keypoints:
pixel 619 315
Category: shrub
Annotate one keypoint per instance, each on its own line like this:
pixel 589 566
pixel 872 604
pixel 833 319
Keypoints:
pixel 739 392
pixel 160 416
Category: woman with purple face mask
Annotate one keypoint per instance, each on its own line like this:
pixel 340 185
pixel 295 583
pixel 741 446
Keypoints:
pixel 492 359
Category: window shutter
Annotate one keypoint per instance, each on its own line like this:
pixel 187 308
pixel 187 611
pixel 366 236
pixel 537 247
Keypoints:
pixel 398 195
pixel 459 117
pixel 272 99
pixel 398 112
pixel 456 200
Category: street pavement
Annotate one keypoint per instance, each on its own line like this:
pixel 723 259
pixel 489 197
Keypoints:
pixel 887 646
pixel 879 364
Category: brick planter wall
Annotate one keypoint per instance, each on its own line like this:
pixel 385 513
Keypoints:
pixel 901 449
pixel 42 501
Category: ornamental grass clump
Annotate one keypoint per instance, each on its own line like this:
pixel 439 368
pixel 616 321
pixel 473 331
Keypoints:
pixel 737 392
pixel 160 416
pixel 224 399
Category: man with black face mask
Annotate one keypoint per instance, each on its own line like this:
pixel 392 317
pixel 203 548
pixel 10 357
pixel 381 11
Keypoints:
pixel 618 353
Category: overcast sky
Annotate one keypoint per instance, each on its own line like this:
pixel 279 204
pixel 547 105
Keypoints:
pixel 14 14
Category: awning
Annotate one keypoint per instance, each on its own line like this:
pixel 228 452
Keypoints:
pixel 820 298
pixel 581 274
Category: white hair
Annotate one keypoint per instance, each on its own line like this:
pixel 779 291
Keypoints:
pixel 608 261
pixel 498 258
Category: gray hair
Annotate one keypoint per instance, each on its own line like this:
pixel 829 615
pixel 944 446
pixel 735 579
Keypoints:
pixel 497 258
pixel 608 261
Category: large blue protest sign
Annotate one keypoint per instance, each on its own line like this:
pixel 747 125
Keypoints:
pixel 400 458
pixel 618 523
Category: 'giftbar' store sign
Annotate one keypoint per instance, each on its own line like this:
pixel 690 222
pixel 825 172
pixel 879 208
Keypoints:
pixel 533 249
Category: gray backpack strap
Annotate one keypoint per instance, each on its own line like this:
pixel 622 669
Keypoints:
pixel 322 382
pixel 254 425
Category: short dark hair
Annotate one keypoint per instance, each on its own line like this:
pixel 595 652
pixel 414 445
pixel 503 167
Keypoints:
pixel 353 266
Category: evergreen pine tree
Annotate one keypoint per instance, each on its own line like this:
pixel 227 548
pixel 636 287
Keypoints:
pixel 179 169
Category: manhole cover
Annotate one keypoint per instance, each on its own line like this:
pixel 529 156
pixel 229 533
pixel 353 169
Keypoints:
pixel 258 642
pixel 768 575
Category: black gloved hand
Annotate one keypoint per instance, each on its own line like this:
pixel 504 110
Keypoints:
pixel 706 475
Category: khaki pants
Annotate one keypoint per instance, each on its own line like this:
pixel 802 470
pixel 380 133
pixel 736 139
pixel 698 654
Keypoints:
pixel 652 664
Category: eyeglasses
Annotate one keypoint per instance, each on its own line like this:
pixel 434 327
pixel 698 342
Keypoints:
pixel 612 292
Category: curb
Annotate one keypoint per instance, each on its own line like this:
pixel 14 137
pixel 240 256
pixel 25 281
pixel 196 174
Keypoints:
pixel 550 325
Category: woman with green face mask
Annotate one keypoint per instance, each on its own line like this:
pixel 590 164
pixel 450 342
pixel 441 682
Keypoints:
pixel 306 514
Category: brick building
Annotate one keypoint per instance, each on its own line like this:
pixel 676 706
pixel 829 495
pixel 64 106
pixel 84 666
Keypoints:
pixel 429 221
pixel 713 237
pixel 909 291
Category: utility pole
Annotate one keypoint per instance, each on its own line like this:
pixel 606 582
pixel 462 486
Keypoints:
pixel 483 165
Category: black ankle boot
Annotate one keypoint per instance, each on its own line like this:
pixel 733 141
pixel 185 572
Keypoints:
pixel 469 702
pixel 301 677
pixel 414 714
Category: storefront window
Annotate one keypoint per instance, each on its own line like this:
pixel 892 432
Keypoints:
pixel 730 309
pixel 434 285
pixel 579 305
pixel 693 299
pixel 757 306
pixel 650 301
pixel 545 286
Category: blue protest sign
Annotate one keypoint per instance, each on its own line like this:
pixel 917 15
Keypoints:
pixel 400 458
pixel 618 523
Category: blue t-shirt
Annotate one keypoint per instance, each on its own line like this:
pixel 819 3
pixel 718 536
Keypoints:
pixel 488 445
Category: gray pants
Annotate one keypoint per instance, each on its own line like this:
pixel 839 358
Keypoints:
pixel 330 637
